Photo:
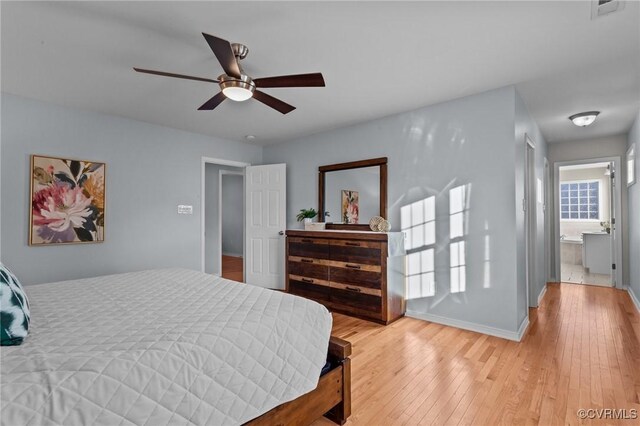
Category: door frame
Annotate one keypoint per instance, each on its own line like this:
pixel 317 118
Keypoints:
pixel 222 173
pixel 617 204
pixel 546 209
pixel 530 217
pixel 203 162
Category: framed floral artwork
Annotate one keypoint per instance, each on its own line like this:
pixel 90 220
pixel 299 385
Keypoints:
pixel 350 206
pixel 67 201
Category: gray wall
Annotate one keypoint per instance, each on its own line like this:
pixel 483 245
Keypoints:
pixel 612 146
pixel 212 232
pixel 232 215
pixel 150 170
pixel 634 215
pixel 468 141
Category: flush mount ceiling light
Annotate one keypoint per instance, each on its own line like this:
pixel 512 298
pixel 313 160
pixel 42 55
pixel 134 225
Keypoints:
pixel 583 119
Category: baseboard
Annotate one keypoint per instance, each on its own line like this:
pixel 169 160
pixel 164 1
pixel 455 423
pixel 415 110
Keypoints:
pixel 472 326
pixel 634 299
pixel 523 328
pixel 232 254
pixel 542 293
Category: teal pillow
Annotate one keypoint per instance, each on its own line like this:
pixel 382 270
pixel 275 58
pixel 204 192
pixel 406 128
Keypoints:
pixel 14 309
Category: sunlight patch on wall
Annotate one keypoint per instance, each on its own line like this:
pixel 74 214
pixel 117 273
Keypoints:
pixel 487 257
pixel 457 207
pixel 458 210
pixel 458 267
pixel 418 222
pixel 421 274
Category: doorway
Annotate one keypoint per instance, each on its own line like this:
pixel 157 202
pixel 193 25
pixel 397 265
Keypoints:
pixel 231 224
pixel 587 240
pixel 211 213
pixel 530 221
pixel 548 191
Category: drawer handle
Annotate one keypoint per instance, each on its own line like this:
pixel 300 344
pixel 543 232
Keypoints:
pixel 352 244
pixel 349 265
pixel 306 260
pixel 306 240
pixel 307 280
pixel 353 288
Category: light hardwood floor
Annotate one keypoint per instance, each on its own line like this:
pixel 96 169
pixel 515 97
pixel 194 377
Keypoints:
pixel 232 268
pixel 582 350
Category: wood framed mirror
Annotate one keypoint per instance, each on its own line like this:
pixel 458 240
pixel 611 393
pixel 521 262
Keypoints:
pixel 362 185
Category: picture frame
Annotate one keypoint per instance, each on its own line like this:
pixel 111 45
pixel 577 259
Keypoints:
pixel 67 201
pixel 350 207
pixel 631 165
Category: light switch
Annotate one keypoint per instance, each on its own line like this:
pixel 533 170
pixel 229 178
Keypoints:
pixel 183 209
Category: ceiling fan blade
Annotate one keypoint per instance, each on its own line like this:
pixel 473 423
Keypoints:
pixel 298 80
pixel 274 103
pixel 224 52
pixel 213 102
pixel 169 74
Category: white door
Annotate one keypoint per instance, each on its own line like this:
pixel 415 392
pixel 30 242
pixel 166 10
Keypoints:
pixel 265 195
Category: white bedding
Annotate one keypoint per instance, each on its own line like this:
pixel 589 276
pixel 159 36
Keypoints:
pixel 166 347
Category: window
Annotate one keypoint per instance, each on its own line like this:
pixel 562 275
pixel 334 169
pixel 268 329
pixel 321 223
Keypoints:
pixel 580 200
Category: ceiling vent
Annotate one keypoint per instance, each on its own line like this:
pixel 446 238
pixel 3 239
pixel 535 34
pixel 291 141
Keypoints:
pixel 605 7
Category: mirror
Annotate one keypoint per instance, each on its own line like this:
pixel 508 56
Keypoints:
pixel 352 193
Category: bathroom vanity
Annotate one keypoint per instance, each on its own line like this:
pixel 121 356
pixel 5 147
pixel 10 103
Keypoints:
pixel 596 252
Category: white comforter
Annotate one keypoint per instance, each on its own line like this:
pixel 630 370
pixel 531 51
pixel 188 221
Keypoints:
pixel 167 347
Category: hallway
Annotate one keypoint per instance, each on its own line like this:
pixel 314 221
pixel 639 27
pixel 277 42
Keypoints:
pixel 232 268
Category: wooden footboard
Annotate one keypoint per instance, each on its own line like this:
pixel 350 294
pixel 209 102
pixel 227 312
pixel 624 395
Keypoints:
pixel 331 398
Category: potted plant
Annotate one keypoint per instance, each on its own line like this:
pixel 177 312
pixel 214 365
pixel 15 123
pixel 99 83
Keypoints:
pixel 306 215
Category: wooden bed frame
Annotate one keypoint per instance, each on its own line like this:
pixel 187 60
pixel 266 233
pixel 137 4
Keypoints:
pixel 331 398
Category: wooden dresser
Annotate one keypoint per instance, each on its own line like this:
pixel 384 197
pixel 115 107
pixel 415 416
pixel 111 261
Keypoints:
pixel 347 271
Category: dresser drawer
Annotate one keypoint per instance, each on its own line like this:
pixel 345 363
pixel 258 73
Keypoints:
pixel 308 247
pixel 308 290
pixel 363 252
pixel 362 303
pixel 312 268
pixel 356 277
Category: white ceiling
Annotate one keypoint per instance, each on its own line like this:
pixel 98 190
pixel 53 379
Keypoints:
pixel 377 58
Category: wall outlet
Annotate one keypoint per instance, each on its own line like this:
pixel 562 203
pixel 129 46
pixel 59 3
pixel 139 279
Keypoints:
pixel 183 209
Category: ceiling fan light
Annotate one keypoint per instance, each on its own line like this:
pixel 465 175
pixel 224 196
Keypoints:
pixel 237 94
pixel 584 119
pixel 237 89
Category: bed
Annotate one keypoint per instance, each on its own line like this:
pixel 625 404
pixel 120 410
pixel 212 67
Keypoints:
pixel 169 347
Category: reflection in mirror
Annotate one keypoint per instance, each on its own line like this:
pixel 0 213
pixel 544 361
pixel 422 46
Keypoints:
pixel 361 203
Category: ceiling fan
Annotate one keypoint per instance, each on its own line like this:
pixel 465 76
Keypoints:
pixel 236 85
